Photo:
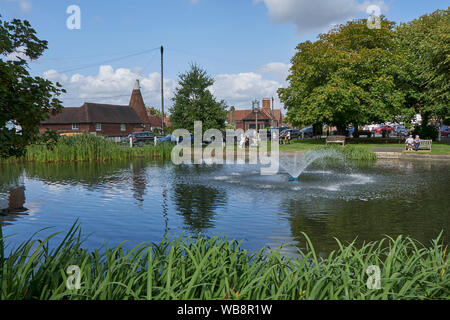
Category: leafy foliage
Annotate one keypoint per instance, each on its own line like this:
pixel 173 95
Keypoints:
pixel 217 268
pixel 25 100
pixel 194 102
pixel 425 43
pixel 349 75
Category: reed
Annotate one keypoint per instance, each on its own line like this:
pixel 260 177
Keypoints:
pixel 218 268
pixel 89 148
pixel 352 152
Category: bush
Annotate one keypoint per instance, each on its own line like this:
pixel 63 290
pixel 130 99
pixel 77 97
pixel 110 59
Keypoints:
pixel 426 132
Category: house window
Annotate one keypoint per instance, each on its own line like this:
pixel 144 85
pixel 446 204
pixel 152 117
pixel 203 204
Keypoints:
pixel 123 127
pixel 98 127
pixel 75 126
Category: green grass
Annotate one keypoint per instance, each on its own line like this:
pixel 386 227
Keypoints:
pixel 89 148
pixel 217 268
pixel 438 148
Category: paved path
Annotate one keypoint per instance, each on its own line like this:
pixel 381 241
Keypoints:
pixel 387 149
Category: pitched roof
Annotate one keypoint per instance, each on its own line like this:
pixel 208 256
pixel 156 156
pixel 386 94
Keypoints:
pixel 95 113
pixel 248 114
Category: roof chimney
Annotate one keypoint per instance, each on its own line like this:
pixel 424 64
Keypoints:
pixel 266 103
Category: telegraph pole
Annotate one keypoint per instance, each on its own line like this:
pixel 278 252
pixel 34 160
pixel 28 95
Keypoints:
pixel 162 89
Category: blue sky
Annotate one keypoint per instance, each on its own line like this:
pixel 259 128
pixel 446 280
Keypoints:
pixel 246 45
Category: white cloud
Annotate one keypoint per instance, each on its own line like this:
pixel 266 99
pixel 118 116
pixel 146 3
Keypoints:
pixel 242 88
pixel 279 69
pixel 24 5
pixel 310 16
pixel 115 86
pixel 18 54
pixel 111 86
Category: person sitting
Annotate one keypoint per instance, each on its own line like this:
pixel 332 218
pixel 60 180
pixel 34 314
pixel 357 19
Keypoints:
pixel 409 143
pixel 417 143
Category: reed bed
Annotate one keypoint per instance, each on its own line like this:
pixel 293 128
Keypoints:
pixel 89 148
pixel 218 268
pixel 352 152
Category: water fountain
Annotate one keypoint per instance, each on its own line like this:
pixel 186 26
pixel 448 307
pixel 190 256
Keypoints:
pixel 296 165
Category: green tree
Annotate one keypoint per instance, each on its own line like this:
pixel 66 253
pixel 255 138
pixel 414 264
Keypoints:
pixel 154 111
pixel 194 102
pixel 350 75
pixel 425 42
pixel 25 100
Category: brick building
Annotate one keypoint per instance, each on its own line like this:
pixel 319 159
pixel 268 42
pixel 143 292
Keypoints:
pixel 246 119
pixel 102 119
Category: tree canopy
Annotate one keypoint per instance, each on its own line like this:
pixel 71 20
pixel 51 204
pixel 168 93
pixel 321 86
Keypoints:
pixel 425 43
pixel 350 75
pixel 194 102
pixel 24 100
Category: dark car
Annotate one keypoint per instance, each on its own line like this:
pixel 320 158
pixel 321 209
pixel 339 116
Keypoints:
pixel 295 133
pixel 445 131
pixel 307 132
pixel 141 138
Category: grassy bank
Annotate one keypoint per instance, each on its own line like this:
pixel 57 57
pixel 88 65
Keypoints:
pixel 89 148
pixel 216 268
pixel 438 148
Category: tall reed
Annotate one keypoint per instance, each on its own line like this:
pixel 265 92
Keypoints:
pixel 217 268
pixel 89 148
pixel 352 152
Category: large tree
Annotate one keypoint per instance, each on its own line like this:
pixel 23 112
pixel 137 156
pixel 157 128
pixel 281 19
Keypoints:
pixel 425 43
pixel 194 102
pixel 24 100
pixel 350 75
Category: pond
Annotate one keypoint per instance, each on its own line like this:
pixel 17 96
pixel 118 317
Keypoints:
pixel 139 201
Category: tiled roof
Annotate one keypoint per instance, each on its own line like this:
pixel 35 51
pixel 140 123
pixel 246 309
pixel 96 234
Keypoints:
pixel 95 113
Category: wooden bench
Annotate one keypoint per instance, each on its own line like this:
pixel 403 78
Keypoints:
pixel 336 139
pixel 425 145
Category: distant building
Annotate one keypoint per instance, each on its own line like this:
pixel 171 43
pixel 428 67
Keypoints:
pixel 155 121
pixel 246 119
pixel 102 119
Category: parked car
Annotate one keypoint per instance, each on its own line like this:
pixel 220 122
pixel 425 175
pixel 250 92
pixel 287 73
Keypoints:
pixel 445 131
pixel 167 138
pixel 140 138
pixel 307 132
pixel 385 128
pixel 295 133
pixel 400 130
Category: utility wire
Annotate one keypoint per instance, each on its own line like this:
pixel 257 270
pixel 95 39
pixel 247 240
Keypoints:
pixel 107 61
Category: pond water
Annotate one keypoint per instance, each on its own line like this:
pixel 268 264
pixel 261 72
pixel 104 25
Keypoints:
pixel 140 201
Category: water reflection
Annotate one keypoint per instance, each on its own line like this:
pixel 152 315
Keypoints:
pixel 12 205
pixel 140 201
pixel 197 205
pixel 139 181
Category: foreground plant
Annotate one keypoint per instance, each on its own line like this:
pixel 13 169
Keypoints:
pixel 216 268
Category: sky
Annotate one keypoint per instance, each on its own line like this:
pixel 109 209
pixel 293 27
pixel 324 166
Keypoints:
pixel 245 45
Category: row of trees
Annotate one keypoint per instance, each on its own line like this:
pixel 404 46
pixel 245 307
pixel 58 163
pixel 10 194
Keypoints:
pixel 357 75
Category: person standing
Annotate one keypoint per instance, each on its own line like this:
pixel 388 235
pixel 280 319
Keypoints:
pixel 417 143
